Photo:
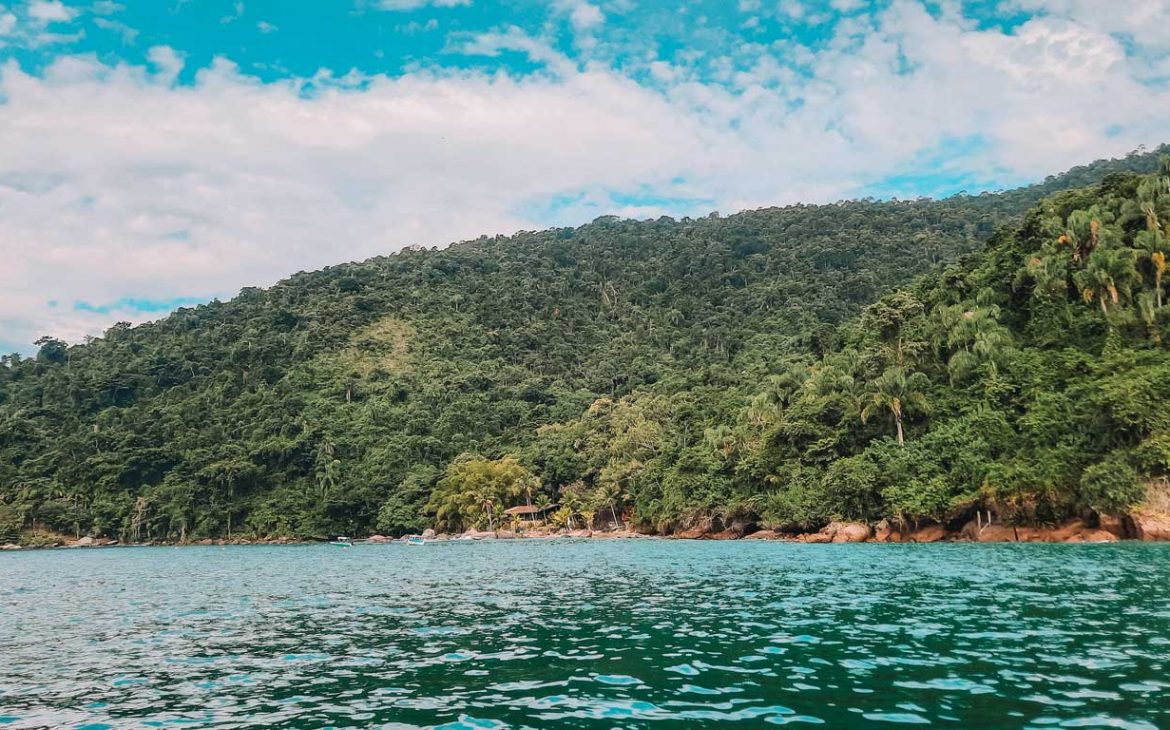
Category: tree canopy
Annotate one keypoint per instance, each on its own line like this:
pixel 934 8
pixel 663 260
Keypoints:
pixel 793 365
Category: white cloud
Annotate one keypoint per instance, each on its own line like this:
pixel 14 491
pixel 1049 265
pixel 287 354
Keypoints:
pixel 50 11
pixel 583 15
pixel 117 182
pixel 106 7
pixel 1145 21
pixel 416 4
pixel 7 23
pixel 128 34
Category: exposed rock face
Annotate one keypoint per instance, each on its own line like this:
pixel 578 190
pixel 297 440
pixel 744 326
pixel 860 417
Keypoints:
pixel 694 533
pixel 930 533
pixel 10 546
pixel 1144 525
pixel 377 538
pixel 1070 531
pixel 884 532
pixel 817 537
pixel 83 542
pixel 428 534
pixel 728 534
pixel 1112 524
pixel 1093 535
pixel 766 535
pixel 847 531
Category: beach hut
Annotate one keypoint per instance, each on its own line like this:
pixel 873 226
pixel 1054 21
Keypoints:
pixel 530 512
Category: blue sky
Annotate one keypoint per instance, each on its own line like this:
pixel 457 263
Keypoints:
pixel 160 153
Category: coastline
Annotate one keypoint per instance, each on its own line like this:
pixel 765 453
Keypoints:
pixel 1133 527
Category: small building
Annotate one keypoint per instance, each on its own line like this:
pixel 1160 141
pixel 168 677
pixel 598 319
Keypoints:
pixel 530 512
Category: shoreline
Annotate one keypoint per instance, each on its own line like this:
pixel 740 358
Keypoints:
pixel 1136 527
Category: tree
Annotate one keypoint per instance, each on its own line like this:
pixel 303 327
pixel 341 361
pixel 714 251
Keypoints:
pixel 899 392
pixel 474 490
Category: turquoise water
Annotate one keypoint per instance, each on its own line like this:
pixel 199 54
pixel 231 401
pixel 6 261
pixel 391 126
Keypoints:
pixel 587 634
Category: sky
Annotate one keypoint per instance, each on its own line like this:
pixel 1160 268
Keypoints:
pixel 156 154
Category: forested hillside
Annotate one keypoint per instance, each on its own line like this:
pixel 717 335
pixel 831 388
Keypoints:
pixel 668 371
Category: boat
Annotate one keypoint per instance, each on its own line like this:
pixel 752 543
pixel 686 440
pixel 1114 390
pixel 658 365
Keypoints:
pixel 416 540
pixel 341 542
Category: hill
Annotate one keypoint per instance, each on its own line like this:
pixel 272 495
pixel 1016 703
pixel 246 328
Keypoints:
pixel 651 368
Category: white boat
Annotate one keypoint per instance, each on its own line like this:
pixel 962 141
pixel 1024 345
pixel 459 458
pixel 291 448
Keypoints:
pixel 416 540
pixel 342 542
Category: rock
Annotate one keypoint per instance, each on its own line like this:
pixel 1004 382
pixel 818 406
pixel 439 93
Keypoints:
pixel 694 533
pixel 1113 524
pixel 505 535
pixel 1071 531
pixel 377 538
pixel 728 534
pixel 479 535
pixel 10 546
pixel 815 537
pixel 428 534
pixel 765 535
pixel 884 532
pixel 849 532
pixel 997 533
pixel 930 533
pixel 86 541
pixel 580 533
pixel 1092 535
pixel 1148 526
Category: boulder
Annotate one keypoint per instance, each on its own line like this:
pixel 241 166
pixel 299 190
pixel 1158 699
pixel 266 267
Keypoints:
pixel 86 541
pixel 884 532
pixel 765 535
pixel 815 537
pixel 1093 535
pixel 377 538
pixel 1148 525
pixel 428 534
pixel 930 533
pixel 10 546
pixel 849 532
pixel 1113 524
pixel 1070 531
pixel 997 533
pixel 694 533
pixel 728 534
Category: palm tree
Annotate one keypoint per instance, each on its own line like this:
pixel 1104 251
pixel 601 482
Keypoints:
pixel 1107 276
pixel 899 392
pixel 543 503
pixel 609 494
pixel 1154 244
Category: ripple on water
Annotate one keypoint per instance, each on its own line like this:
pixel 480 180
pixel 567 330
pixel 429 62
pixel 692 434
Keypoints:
pixel 587 634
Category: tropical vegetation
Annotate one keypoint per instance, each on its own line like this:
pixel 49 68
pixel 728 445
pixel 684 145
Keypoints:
pixel 913 360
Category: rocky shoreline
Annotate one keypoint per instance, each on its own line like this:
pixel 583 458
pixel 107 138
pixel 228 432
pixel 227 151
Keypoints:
pixel 1141 526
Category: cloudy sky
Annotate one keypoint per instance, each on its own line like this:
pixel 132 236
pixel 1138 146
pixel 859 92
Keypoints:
pixel 159 153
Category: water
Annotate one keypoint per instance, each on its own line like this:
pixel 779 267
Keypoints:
pixel 587 634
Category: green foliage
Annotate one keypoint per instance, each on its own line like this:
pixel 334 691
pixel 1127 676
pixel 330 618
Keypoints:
pixel 474 492
pixel 1111 485
pixel 659 372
